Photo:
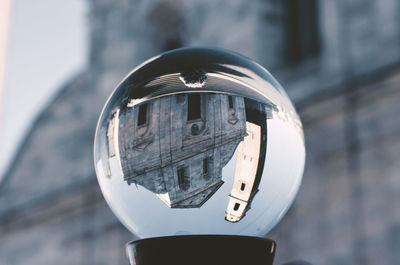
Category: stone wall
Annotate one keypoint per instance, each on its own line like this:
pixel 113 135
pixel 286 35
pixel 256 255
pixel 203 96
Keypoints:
pixel 346 210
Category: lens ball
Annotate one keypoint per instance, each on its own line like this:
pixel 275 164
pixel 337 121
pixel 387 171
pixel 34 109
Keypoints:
pixel 199 141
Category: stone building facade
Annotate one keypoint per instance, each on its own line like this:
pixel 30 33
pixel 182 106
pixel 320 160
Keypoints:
pixel 343 75
pixel 176 146
pixel 196 123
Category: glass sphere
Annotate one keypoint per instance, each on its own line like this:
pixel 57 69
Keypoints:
pixel 199 141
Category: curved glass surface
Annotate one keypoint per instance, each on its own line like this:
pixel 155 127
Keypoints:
pixel 199 141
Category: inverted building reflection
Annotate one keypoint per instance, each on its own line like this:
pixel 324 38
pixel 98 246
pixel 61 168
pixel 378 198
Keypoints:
pixel 176 146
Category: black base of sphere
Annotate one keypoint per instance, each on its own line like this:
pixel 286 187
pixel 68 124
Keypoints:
pixel 202 249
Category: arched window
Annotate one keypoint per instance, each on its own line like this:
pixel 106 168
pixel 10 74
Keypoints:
pixel 236 207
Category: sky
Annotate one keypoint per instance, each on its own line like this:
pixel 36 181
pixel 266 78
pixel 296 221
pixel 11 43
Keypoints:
pixel 46 46
pixel 4 18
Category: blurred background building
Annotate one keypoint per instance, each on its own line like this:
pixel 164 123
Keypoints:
pixel 338 60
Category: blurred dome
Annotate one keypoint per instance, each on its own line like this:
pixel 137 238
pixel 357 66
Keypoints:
pixel 199 141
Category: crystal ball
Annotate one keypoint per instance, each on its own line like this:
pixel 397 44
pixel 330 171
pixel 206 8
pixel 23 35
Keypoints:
pixel 199 141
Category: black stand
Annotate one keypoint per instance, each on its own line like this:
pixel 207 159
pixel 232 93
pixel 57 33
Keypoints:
pixel 202 249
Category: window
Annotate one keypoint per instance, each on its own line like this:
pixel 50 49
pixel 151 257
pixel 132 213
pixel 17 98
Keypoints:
pixel 236 207
pixel 302 36
pixel 194 107
pixel 230 99
pixel 242 187
pixel 142 115
pixel 205 166
pixel 183 178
